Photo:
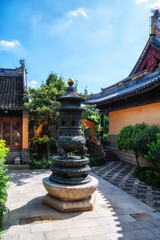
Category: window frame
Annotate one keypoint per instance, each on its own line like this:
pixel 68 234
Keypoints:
pixel 11 120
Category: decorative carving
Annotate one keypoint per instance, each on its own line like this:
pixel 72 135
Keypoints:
pixel 150 60
pixel 152 63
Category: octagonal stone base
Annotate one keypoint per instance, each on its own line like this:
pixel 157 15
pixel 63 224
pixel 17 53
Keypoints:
pixel 70 206
pixel 69 198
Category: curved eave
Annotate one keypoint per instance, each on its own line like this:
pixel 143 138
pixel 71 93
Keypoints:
pixel 144 84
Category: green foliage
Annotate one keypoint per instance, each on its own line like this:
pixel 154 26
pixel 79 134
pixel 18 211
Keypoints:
pixel 90 110
pixel 56 82
pixel 42 107
pixel 42 102
pixel 149 176
pixel 92 113
pixel 43 163
pixel 124 139
pixel 4 179
pixel 137 138
pixel 153 153
pixel 105 137
pixel 96 161
pixel 41 146
pixel 144 138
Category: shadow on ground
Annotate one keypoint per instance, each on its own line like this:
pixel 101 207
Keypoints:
pixel 116 215
pixel 22 177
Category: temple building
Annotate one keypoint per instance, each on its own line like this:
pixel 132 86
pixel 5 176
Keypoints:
pixel 135 99
pixel 13 115
pixel 90 123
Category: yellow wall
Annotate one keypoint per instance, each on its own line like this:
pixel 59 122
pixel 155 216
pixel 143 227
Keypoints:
pixel 90 124
pixel 25 133
pixel 149 114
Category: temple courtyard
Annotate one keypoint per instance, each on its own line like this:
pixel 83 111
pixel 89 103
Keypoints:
pixel 116 215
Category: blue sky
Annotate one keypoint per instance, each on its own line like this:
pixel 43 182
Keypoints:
pixel 96 42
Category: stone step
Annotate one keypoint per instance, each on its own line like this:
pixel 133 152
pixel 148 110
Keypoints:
pixel 18 167
pixel 110 155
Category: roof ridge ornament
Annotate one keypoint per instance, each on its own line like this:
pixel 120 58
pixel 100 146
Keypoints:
pixel 156 13
pixel 155 22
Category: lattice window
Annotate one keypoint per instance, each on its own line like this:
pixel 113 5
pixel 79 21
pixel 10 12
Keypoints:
pixel 10 131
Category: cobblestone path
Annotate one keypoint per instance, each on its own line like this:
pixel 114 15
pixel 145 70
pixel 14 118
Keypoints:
pixel 121 175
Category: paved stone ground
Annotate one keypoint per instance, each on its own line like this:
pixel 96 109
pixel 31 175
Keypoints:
pixel 121 174
pixel 116 215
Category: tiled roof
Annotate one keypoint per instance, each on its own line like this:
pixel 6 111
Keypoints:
pixel 142 78
pixel 11 89
pixel 153 41
pixel 128 86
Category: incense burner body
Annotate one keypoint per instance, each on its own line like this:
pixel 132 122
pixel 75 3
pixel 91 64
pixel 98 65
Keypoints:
pixel 68 169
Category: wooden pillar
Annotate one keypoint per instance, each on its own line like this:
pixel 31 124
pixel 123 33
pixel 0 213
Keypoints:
pixel 25 139
pixel 102 127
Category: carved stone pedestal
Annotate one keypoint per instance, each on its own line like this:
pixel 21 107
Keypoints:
pixel 69 198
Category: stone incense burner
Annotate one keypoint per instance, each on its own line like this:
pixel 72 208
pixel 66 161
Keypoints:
pixel 70 187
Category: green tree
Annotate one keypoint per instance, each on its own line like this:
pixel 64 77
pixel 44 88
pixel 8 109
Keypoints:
pixel 137 138
pixel 153 153
pixel 42 105
pixel 126 137
pixel 92 113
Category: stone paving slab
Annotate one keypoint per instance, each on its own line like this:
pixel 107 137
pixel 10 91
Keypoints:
pixel 121 174
pixel 116 215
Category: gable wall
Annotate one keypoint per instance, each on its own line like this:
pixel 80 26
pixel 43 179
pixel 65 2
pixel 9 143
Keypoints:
pixel 149 114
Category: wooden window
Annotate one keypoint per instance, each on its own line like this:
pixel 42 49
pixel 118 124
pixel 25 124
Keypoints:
pixel 10 131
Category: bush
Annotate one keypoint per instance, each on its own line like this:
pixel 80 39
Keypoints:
pixel 126 139
pixel 4 179
pixel 105 137
pixel 96 161
pixel 43 163
pixel 149 176
pixel 137 138
pixel 46 163
pixel 154 153
pixel 144 138
pixel 42 146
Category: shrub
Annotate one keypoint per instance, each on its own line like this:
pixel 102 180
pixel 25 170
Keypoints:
pixel 96 161
pixel 149 176
pixel 4 179
pixel 154 153
pixel 137 138
pixel 126 139
pixel 105 137
pixel 46 163
pixel 42 146
pixel 43 163
pixel 146 137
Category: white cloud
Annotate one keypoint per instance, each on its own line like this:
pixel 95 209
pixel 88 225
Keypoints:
pixel 140 1
pixel 149 3
pixel 78 12
pixel 33 83
pixel 9 45
pixel 154 5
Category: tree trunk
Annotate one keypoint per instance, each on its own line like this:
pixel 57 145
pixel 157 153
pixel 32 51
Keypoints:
pixel 137 156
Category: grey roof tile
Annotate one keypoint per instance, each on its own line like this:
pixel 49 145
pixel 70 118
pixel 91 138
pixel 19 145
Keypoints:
pixel 11 89
pixel 128 88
